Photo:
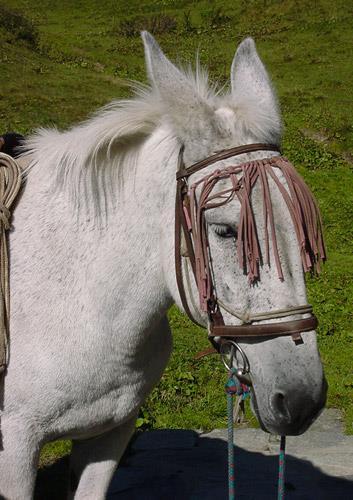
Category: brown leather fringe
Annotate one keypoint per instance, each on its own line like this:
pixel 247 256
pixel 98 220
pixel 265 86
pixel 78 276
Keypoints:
pixel 301 204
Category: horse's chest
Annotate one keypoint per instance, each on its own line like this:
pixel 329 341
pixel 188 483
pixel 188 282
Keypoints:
pixel 104 385
pixel 112 396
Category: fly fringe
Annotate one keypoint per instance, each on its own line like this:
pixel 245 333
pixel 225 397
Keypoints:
pixel 302 208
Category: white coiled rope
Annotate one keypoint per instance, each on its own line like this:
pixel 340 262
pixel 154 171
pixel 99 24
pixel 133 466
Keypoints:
pixel 10 184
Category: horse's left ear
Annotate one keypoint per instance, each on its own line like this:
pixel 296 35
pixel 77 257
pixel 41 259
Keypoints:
pixel 252 91
pixel 182 99
pixel 165 77
pixel 160 71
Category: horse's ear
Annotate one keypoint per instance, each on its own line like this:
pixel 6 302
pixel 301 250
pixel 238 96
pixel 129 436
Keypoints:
pixel 163 75
pixel 252 89
pixel 180 95
pixel 160 71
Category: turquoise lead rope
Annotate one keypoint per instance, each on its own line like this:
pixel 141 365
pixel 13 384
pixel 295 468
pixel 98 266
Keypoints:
pixel 281 468
pixel 234 387
pixel 231 465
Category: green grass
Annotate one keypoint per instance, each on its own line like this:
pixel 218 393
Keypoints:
pixel 61 60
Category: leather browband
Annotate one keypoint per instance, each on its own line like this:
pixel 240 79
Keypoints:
pixel 223 155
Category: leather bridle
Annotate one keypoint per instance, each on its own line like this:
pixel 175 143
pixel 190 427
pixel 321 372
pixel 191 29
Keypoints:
pixel 219 332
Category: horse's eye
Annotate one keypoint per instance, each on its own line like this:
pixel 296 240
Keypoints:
pixel 225 231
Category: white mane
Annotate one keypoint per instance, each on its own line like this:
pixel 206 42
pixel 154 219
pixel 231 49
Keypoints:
pixel 90 155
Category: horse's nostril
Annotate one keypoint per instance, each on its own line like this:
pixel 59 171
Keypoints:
pixel 279 406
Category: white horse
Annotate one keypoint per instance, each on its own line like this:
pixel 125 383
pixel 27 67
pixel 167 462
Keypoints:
pixel 93 276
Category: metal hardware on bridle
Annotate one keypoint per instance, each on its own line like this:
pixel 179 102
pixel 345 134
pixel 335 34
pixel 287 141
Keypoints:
pixel 190 227
pixel 228 351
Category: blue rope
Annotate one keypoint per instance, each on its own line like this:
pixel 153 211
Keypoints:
pixel 233 388
pixel 281 468
pixel 231 465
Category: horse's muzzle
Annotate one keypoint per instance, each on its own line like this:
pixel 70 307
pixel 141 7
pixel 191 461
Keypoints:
pixel 290 413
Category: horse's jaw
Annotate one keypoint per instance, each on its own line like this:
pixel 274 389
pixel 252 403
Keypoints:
pixel 289 388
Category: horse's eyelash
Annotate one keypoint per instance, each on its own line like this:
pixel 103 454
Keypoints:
pixel 225 230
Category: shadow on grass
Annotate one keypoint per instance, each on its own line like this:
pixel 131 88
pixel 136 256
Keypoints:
pixel 179 465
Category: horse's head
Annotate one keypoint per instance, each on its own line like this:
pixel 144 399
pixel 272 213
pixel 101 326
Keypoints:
pixel 289 387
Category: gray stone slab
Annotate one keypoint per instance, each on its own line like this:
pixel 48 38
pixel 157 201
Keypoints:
pixel 329 420
pixel 186 465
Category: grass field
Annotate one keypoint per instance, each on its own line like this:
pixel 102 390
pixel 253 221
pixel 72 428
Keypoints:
pixel 61 60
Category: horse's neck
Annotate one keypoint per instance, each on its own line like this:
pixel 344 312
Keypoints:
pixel 126 258
pixel 153 196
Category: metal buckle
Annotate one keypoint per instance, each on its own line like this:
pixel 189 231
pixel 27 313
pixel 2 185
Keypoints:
pixel 228 351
